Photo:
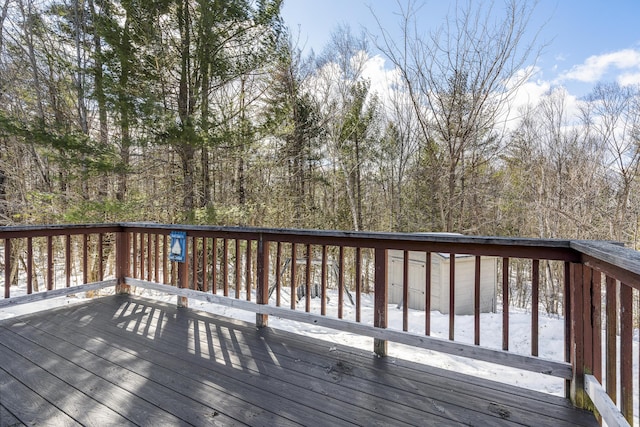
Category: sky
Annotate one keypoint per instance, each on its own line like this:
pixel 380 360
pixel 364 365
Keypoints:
pixel 585 41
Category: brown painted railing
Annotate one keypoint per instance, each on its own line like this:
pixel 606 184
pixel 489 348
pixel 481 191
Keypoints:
pixel 254 269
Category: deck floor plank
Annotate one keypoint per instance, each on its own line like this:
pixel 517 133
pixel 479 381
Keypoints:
pixel 142 364
pixel 7 418
pixel 108 383
pixel 301 371
pixel 185 367
pixel 420 380
pixel 59 394
pixel 33 409
pixel 307 394
pixel 370 389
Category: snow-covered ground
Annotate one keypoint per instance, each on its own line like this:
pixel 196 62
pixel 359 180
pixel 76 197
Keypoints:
pixel 551 335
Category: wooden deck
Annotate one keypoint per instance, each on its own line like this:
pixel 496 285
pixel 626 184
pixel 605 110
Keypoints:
pixel 131 361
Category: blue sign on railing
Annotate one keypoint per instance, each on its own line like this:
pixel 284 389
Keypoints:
pixel 178 247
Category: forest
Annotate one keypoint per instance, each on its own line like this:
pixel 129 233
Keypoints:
pixel 207 112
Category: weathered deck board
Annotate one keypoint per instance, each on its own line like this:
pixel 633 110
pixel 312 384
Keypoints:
pixel 131 361
pixel 8 418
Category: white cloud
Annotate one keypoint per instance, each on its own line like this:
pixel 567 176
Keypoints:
pixel 382 79
pixel 595 67
pixel 629 79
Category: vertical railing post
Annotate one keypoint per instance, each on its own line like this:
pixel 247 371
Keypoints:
pixel 581 332
pixel 626 352
pixel 568 320
pixel 612 338
pixel 380 299
pixel 183 274
pixel 122 262
pixel 262 281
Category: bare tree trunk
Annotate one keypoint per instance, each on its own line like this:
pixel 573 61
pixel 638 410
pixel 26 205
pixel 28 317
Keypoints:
pixel 98 80
pixel 28 38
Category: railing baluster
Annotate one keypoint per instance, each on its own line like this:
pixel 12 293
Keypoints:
pixel 29 265
pixel 323 281
pixel 278 272
pixel 358 283
pixel 67 260
pixel 340 282
pixel 307 281
pixel 294 262
pixel 505 304
pixel 142 256
pixel 149 256
pixel 452 295
pixel 85 258
pixel 156 258
pixel 7 268
pixel 405 291
pixel 101 257
pixel 214 264
pixel 49 263
pixel 249 267
pixel 476 302
pixel 238 269
pixel 194 256
pixel 165 259
pixel 225 267
pixel 535 289
pixel 134 267
pixel 427 294
pixel 205 258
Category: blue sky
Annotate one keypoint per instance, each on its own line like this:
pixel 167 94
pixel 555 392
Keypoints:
pixel 586 40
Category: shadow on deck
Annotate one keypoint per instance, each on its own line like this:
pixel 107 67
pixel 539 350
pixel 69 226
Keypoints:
pixel 126 360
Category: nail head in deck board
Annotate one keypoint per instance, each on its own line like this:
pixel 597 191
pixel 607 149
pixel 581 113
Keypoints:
pixel 157 337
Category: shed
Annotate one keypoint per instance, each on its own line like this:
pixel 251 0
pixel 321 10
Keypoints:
pixel 464 281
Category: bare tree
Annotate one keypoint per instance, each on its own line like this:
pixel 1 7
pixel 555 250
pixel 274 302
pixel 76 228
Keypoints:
pixel 459 79
pixel 348 109
pixel 396 155
pixel 611 116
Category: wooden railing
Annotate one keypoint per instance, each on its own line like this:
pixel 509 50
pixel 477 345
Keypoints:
pixel 259 269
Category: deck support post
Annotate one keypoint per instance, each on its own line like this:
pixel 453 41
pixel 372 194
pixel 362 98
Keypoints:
pixel 262 281
pixel 183 275
pixel 380 299
pixel 581 332
pixel 122 262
